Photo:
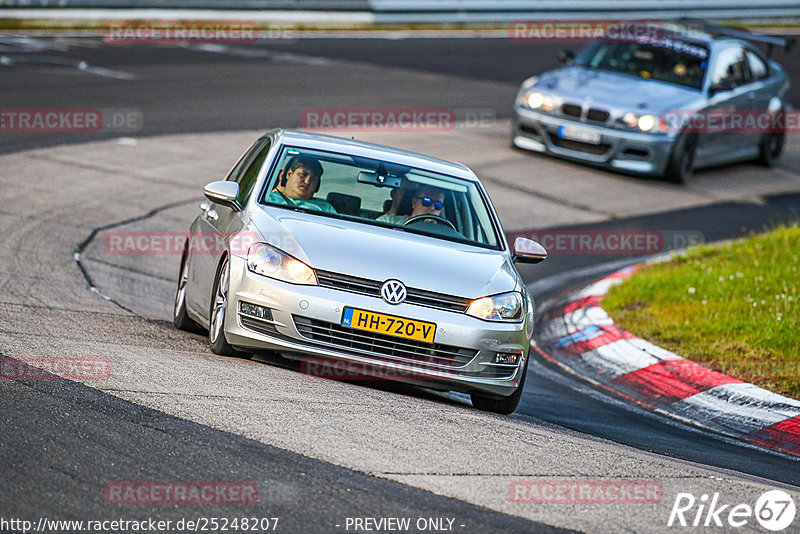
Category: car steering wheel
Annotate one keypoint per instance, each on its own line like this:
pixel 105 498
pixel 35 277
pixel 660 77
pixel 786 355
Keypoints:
pixel 435 218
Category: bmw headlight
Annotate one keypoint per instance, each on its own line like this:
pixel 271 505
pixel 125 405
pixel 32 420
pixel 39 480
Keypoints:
pixel 537 100
pixel 268 261
pixel 505 307
pixel 645 123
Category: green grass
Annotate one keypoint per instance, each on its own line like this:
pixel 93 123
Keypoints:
pixel 731 306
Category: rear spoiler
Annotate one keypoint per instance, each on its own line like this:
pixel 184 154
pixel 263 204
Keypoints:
pixel 769 40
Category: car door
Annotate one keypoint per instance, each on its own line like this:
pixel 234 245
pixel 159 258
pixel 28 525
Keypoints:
pixel 760 91
pixel 215 226
pixel 721 134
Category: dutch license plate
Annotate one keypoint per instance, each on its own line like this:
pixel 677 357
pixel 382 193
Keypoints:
pixel 388 324
pixel 579 134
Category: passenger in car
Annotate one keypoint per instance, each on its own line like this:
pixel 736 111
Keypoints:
pixel 426 200
pixel 400 200
pixel 298 182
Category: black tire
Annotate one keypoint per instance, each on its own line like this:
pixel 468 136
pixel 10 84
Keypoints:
pixel 770 149
pixel 502 405
pixel 216 316
pixel 180 319
pixel 680 168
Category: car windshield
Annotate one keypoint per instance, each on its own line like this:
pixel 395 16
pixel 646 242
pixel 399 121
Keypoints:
pixel 381 193
pixel 665 60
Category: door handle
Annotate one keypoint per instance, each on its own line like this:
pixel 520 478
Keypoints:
pixel 751 96
pixel 212 215
pixel 204 206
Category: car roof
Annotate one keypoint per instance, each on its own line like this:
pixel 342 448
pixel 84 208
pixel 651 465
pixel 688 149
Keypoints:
pixel 371 150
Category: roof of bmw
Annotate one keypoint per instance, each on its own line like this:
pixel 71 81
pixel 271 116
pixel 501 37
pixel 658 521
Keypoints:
pixel 374 151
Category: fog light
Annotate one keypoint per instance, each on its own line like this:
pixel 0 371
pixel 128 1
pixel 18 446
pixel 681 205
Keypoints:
pixel 254 310
pixel 508 358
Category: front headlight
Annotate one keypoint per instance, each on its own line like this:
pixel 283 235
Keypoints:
pixel 645 123
pixel 534 100
pixel 268 261
pixel 537 100
pixel 505 307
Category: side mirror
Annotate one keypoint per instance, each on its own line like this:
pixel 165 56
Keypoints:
pixel 224 193
pixel 720 87
pixel 567 57
pixel 528 251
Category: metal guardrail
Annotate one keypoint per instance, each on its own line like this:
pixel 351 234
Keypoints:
pixel 312 5
pixel 449 11
pixel 509 10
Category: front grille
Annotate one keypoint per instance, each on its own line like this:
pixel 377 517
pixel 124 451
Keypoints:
pixel 578 146
pixel 597 115
pixel 571 110
pixel 372 288
pixel 381 346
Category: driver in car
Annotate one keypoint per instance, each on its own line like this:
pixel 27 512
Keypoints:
pixel 298 183
pixel 427 200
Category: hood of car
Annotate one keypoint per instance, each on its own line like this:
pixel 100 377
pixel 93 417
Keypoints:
pixel 615 91
pixel 377 253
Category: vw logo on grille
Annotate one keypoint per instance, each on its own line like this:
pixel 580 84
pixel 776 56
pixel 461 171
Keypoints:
pixel 393 291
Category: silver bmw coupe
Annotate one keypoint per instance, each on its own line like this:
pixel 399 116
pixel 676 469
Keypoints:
pixel 338 252
pixel 664 105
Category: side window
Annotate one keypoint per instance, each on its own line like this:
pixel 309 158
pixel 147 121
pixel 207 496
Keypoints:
pixel 758 69
pixel 247 179
pixel 235 172
pixel 731 67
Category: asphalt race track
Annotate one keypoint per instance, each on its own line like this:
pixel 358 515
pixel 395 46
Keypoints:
pixel 319 451
pixel 183 89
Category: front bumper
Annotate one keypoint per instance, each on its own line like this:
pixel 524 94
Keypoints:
pixel 305 322
pixel 635 152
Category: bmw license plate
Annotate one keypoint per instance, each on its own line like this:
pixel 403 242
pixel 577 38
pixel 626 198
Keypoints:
pixel 583 135
pixel 388 324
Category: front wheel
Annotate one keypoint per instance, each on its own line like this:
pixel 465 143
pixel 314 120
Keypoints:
pixel 180 319
pixel 680 168
pixel 219 302
pixel 770 149
pixel 504 405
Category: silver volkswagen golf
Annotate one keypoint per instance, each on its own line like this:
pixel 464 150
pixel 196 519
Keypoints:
pixel 335 251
